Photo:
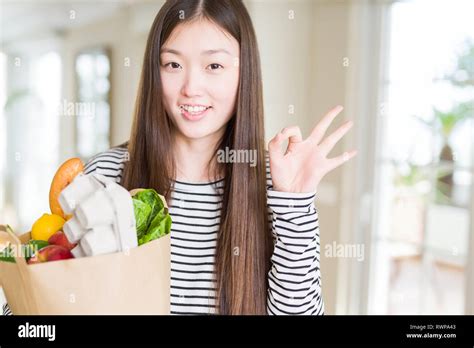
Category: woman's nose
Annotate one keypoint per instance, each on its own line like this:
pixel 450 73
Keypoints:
pixel 193 83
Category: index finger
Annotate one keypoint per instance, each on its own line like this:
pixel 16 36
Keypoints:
pixel 320 129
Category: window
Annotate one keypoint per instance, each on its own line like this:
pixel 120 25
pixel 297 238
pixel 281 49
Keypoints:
pixel 92 109
pixel 424 166
pixel 32 134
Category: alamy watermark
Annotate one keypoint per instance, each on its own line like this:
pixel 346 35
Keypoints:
pixel 237 156
pixel 37 331
pixel 345 250
pixel 24 251
pixel 82 109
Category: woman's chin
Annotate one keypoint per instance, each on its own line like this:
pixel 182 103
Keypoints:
pixel 197 132
pixel 200 129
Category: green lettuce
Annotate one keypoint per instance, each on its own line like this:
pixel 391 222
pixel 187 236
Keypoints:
pixel 152 218
pixel 142 214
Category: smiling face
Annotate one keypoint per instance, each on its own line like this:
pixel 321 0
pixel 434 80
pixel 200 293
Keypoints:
pixel 200 77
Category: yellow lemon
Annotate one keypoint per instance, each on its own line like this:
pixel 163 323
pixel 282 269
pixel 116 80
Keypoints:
pixel 46 226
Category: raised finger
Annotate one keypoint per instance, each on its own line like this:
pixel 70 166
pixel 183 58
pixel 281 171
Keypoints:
pixel 331 140
pixel 320 129
pixel 341 159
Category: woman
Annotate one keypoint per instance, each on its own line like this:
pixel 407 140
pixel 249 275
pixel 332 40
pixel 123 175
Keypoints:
pixel 224 259
pixel 245 236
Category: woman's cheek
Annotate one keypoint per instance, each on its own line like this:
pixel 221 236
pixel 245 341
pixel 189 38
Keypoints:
pixel 170 91
pixel 225 92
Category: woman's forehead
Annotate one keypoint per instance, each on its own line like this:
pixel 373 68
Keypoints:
pixel 201 37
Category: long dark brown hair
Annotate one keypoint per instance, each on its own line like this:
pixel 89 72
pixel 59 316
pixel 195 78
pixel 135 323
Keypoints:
pixel 244 239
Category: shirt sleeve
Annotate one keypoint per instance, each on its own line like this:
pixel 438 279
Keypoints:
pixel 90 166
pixel 109 163
pixel 6 309
pixel 294 278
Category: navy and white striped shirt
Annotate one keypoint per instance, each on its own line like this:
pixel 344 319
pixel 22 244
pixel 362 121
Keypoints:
pixel 195 209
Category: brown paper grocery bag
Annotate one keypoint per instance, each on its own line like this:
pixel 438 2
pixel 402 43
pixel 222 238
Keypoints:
pixel 132 282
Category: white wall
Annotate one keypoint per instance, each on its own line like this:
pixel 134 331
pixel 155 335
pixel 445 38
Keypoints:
pixel 302 63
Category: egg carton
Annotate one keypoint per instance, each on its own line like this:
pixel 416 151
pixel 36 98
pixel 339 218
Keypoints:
pixel 103 218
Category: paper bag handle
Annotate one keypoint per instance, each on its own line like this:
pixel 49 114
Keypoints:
pixel 7 234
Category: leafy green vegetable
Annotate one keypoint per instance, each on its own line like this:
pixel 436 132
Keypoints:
pixel 152 218
pixel 142 214
pixel 152 199
pixel 159 227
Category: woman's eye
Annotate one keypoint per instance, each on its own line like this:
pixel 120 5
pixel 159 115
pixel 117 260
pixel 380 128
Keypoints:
pixel 173 65
pixel 215 66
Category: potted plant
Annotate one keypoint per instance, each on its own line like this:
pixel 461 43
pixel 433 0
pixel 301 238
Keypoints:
pixel 444 123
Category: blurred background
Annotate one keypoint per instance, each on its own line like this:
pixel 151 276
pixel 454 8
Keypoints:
pixel 396 223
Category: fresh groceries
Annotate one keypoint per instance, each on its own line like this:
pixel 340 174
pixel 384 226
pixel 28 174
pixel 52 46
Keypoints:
pixel 91 215
pixel 151 215
pixel 46 226
pixel 63 177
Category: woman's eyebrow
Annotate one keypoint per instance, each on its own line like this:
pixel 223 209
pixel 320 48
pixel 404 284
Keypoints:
pixel 206 52
pixel 209 52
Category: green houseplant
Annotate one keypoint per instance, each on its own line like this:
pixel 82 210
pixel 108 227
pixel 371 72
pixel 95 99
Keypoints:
pixel 443 123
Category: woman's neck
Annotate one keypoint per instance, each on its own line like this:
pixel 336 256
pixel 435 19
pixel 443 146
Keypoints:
pixel 192 158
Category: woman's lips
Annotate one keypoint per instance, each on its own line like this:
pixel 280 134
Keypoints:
pixel 194 116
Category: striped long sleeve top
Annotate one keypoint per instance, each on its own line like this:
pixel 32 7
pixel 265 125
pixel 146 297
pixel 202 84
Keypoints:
pixel 294 279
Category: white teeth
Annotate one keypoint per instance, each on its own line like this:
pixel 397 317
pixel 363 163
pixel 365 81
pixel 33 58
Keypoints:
pixel 194 109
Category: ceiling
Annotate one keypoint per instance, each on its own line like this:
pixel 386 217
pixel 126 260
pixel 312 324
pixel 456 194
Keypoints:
pixel 21 19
